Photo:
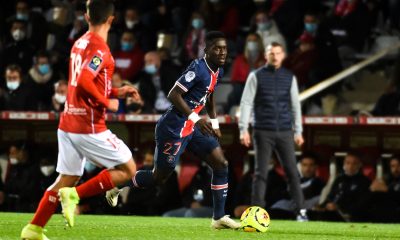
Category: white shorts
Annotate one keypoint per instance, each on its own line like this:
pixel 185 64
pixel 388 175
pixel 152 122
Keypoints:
pixel 103 149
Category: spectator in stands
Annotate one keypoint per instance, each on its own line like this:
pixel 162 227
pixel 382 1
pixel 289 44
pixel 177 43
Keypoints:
pixel 19 50
pixel 129 59
pixel 348 191
pixel 276 188
pixel 267 29
pixel 197 198
pixel 19 185
pixel 17 96
pixel 155 83
pixel 251 59
pixel 288 16
pixel 389 103
pixel 326 46
pixel 310 184
pixel 2 196
pixel 79 25
pixel 46 176
pixel 351 25
pixel 303 60
pixel 156 200
pixel 36 30
pixel 195 40
pixel 130 105
pixel 383 205
pixel 41 79
pixel 60 96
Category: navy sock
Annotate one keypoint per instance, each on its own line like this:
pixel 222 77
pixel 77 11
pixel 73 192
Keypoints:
pixel 219 189
pixel 142 179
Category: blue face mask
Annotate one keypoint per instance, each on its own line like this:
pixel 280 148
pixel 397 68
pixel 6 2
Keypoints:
pixel 44 69
pixel 89 167
pixel 252 46
pixel 150 69
pixel 197 23
pixel 310 27
pixel 13 85
pixel 126 46
pixel 263 26
pixel 22 16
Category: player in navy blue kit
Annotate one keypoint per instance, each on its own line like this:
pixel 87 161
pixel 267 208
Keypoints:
pixel 181 128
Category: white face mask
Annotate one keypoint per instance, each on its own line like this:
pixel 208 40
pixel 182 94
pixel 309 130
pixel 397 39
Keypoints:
pixel 60 98
pixel 130 23
pixel 13 161
pixel 47 170
pixel 18 34
pixel 13 85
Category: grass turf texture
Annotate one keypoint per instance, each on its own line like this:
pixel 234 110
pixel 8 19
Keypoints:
pixel 132 227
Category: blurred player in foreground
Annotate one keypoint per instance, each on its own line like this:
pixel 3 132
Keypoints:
pixel 83 134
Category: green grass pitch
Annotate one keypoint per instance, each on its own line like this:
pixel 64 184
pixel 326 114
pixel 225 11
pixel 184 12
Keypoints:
pixel 157 228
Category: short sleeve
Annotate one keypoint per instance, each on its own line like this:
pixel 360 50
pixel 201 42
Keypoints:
pixel 95 61
pixel 188 78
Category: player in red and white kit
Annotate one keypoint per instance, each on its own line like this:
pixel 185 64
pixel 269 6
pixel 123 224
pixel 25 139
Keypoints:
pixel 82 134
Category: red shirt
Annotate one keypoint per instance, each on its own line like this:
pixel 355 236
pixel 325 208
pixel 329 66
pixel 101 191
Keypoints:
pixel 89 86
pixel 129 64
pixel 241 68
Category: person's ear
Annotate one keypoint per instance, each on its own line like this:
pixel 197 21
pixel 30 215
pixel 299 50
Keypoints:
pixel 87 18
pixel 110 20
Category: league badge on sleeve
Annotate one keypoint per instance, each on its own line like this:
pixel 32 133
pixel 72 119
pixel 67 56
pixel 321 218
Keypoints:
pixel 189 76
pixel 95 63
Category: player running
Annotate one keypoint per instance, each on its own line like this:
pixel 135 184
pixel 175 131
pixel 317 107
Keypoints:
pixel 181 127
pixel 82 133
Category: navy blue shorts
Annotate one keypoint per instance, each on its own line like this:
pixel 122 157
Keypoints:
pixel 169 149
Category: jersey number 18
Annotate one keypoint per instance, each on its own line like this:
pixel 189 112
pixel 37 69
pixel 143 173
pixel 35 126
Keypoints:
pixel 76 62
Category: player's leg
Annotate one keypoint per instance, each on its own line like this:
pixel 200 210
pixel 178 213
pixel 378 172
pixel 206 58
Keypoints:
pixel 104 149
pixel 69 165
pixel 208 149
pixel 285 148
pixel 263 145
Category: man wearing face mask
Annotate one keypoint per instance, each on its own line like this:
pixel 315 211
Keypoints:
pixel 18 49
pixel 243 64
pixel 41 78
pixel 19 184
pixel 195 40
pixel 129 59
pixel 47 174
pixel 37 27
pixel 60 95
pixel 16 96
pixel 156 81
pixel 267 29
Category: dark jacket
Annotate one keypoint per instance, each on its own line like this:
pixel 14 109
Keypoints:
pixel 21 99
pixel 272 103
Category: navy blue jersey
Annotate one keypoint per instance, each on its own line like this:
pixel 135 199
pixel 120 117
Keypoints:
pixel 198 81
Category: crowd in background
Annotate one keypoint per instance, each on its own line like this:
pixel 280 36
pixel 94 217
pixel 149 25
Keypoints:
pixel 352 189
pixel 152 41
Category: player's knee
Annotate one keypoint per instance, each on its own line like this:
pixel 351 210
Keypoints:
pixel 219 163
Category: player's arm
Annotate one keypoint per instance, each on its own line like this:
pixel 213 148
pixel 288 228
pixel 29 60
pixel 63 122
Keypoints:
pixel 210 107
pixel 175 97
pixel 85 84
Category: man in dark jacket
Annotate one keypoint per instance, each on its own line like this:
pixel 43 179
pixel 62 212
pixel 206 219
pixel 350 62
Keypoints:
pixel 155 83
pixel 272 92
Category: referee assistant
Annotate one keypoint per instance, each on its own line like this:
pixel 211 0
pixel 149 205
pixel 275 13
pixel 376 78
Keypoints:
pixel 272 92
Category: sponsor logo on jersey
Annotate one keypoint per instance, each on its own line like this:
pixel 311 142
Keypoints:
pixel 189 76
pixel 95 63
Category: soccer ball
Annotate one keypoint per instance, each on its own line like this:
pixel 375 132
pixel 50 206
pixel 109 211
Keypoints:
pixel 255 219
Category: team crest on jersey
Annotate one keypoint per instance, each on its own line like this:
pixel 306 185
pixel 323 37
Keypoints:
pixel 95 63
pixel 189 76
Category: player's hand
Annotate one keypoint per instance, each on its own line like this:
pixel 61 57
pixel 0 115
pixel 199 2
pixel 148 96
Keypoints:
pixel 205 127
pixel 299 140
pixel 113 105
pixel 245 139
pixel 217 133
pixel 129 91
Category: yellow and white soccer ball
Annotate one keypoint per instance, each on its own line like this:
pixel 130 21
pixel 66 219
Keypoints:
pixel 255 219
